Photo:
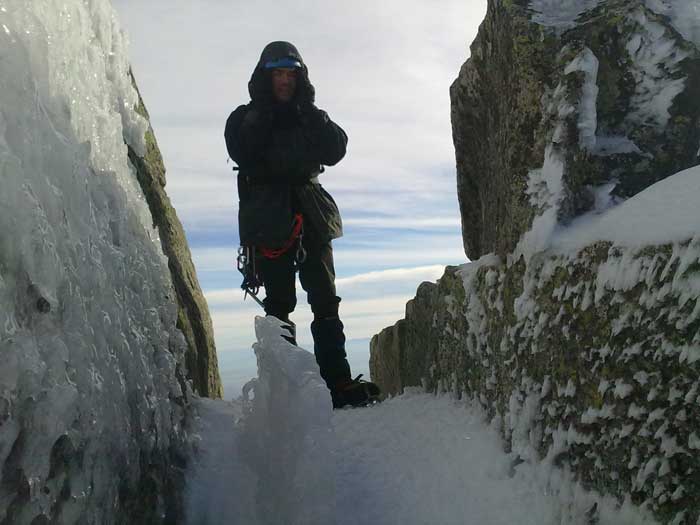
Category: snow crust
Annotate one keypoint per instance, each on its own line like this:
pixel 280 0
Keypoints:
pixel 413 459
pixel 665 212
pixel 220 487
pixel 88 337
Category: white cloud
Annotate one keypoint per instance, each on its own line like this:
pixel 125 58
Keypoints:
pixel 363 311
pixel 421 273
pixel 382 70
pixel 232 298
pixel 446 251
pixel 233 325
pixel 416 223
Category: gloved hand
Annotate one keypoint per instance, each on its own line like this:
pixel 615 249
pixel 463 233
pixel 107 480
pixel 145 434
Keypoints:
pixel 310 116
pixel 256 117
pixel 255 129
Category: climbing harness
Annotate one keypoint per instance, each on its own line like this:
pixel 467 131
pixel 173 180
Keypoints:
pixel 247 259
pixel 296 235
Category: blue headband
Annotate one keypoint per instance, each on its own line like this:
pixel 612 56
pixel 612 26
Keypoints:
pixel 282 62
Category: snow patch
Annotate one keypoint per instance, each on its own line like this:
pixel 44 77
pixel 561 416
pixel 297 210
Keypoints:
pixel 655 55
pixel 665 212
pixel 413 459
pixel 560 14
pixel 684 16
pixel 614 145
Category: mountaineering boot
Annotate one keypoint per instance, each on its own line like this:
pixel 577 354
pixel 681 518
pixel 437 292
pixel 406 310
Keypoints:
pixel 355 392
pixel 329 349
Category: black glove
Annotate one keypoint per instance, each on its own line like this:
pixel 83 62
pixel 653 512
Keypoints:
pixel 255 130
pixel 256 118
pixel 311 117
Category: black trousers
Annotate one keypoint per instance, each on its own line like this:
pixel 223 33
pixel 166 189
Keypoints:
pixel 317 277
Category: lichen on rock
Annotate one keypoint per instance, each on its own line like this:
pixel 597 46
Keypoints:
pixel 590 361
pixel 521 93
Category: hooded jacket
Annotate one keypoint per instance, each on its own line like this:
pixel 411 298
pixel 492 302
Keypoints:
pixel 280 149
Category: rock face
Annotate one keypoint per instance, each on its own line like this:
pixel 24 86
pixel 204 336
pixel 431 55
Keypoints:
pixel 556 102
pixel 98 310
pixel 589 361
pixel 578 327
pixel 193 313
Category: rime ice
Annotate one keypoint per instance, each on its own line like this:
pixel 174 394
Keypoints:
pixel 88 339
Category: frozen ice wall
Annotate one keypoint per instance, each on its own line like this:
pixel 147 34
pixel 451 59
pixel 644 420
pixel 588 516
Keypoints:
pixel 287 429
pixel 270 456
pixel 91 392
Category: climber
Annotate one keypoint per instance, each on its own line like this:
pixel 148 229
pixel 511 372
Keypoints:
pixel 281 141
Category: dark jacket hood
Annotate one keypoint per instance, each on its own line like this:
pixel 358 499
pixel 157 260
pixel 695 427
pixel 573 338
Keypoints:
pixel 260 84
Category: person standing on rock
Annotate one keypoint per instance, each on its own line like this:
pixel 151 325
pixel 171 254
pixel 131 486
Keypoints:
pixel 281 141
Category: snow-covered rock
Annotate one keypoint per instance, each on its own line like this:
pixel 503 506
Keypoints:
pixel 94 394
pixel 568 106
pixel 576 131
pixel 588 356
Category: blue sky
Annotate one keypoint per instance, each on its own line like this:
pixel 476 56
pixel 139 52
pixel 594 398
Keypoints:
pixel 382 71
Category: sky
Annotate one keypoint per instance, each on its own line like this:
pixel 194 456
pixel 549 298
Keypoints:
pixel 382 71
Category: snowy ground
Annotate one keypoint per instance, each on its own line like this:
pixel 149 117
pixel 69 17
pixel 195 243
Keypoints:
pixel 284 457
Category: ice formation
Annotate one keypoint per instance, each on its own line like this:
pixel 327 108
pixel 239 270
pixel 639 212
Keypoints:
pixel 90 400
pixel 287 439
pixel 656 56
pixel 285 457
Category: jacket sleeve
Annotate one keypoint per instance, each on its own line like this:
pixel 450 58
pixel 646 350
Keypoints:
pixel 247 133
pixel 327 141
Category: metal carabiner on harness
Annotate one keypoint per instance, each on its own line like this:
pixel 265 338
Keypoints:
pixel 246 265
pixel 300 255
